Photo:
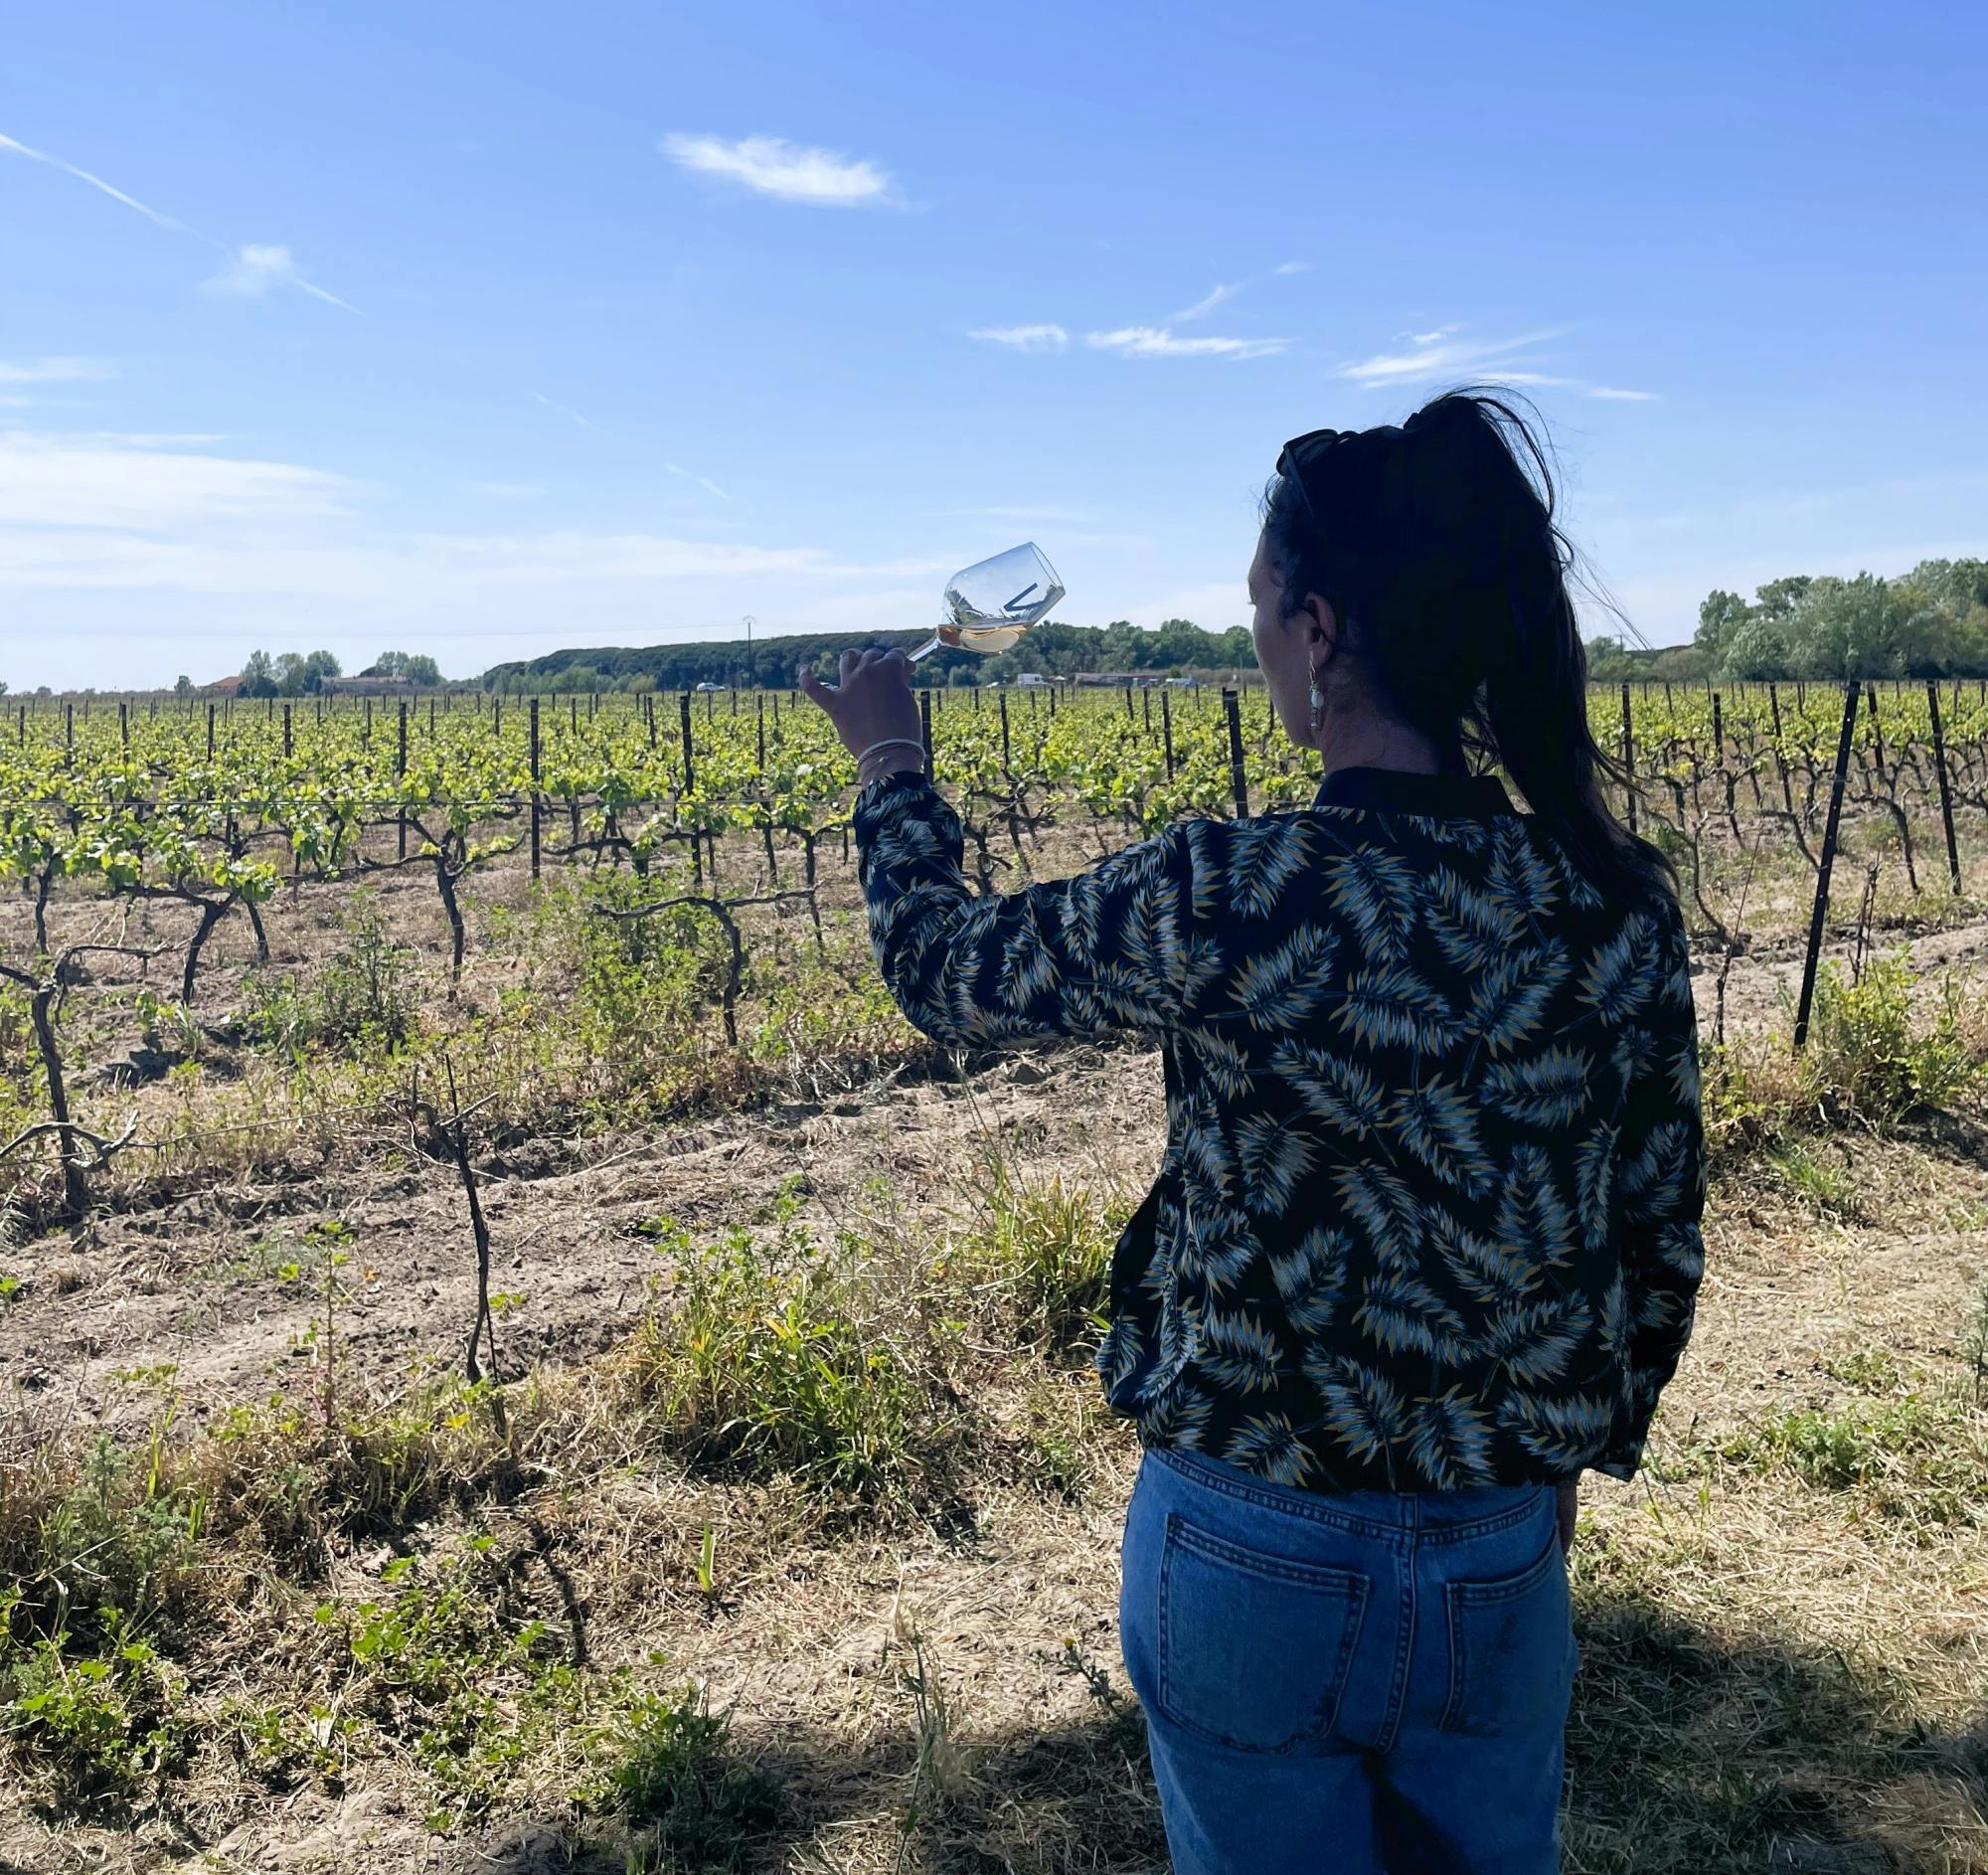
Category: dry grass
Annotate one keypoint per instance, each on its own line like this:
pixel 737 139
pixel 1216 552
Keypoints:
pixel 795 1411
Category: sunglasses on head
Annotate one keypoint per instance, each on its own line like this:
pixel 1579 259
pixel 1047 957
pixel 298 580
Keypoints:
pixel 1305 462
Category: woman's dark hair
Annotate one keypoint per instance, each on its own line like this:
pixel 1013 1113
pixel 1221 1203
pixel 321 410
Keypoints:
pixel 1436 547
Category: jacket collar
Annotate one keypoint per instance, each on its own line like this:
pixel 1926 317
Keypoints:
pixel 1391 791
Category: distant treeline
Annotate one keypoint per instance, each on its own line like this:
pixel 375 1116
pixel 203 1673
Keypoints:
pixel 1931 622
pixel 1052 649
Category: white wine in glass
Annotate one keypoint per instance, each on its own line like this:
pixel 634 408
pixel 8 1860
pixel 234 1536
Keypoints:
pixel 992 606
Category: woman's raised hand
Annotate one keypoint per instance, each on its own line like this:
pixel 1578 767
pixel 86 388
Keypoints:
pixel 872 710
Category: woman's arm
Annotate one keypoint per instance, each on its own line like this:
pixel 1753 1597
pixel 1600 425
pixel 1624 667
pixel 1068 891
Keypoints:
pixel 1662 1185
pixel 1113 948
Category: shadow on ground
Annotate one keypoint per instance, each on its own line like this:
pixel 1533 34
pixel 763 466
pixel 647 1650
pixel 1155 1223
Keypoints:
pixel 1687 1753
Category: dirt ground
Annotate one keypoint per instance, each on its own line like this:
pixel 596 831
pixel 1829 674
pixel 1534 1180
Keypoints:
pixel 807 1642
pixel 197 1283
pixel 807 1645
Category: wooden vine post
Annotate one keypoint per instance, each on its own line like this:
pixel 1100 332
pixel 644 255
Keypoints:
pixel 1828 859
pixel 400 780
pixel 1239 780
pixel 532 717
pixel 1945 788
pixel 1628 760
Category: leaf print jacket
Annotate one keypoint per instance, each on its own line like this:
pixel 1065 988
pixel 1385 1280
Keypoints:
pixel 1428 1213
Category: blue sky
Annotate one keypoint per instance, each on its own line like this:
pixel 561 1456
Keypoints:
pixel 484 330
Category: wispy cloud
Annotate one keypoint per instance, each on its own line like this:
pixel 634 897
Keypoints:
pixel 148 485
pixel 124 512
pixel 1292 267
pixel 791 172
pixel 13 148
pixel 1148 341
pixel 255 271
pixel 1441 354
pixel 1024 338
pixel 54 370
pixel 507 491
pixel 1204 306
pixel 1073 517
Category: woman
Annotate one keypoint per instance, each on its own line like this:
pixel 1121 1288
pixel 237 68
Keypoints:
pixel 1425 1241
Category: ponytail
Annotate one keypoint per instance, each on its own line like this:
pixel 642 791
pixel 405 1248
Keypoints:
pixel 1436 546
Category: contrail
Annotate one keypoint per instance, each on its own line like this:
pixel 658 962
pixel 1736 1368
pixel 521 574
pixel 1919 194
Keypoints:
pixel 170 223
pixel 588 422
pixel 585 423
pixel 14 146
pixel 116 195
pixel 703 481
pixel 330 300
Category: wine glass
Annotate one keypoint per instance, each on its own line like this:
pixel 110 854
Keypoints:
pixel 990 605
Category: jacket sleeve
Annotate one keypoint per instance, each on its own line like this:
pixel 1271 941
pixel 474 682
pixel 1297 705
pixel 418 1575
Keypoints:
pixel 1113 948
pixel 1662 1189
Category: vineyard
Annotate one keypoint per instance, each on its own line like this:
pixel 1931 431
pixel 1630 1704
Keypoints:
pixel 518 1357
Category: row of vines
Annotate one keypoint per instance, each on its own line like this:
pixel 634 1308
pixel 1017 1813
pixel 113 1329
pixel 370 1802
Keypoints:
pixel 733 809
pixel 219 806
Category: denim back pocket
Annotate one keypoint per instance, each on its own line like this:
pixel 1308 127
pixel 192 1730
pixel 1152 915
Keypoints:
pixel 1511 1651
pixel 1253 1649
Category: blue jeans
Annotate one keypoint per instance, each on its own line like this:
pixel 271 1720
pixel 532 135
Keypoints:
pixel 1352 1681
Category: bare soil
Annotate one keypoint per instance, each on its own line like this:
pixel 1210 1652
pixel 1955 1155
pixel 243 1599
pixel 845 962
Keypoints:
pixel 1758 1581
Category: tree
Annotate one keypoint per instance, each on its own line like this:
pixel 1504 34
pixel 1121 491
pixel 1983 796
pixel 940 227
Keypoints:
pixel 1177 642
pixel 182 685
pixel 1678 664
pixel 1959 584
pixel 1755 653
pixel 410 667
pixel 1719 615
pixel 299 674
pixel 1779 598
pixel 259 675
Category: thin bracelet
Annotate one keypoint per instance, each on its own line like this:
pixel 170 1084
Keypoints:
pixel 883 774
pixel 892 743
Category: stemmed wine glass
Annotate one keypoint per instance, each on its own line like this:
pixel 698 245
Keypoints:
pixel 991 605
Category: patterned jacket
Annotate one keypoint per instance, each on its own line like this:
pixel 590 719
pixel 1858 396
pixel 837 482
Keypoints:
pixel 1428 1212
